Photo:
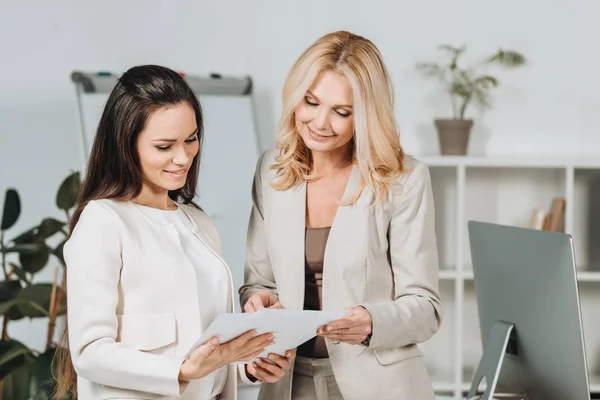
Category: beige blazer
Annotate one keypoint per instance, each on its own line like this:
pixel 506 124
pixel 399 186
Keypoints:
pixel 383 257
pixel 133 311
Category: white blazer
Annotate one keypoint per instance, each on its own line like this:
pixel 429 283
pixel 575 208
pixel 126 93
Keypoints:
pixel 133 309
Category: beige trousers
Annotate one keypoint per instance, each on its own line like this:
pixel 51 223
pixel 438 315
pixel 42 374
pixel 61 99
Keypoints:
pixel 313 380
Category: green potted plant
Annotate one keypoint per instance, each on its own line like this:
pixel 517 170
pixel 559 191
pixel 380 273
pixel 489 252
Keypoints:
pixel 25 373
pixel 465 86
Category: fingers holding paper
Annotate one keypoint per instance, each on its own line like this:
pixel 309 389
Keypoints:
pixel 260 300
pixel 272 369
pixel 352 328
pixel 212 355
pixel 246 346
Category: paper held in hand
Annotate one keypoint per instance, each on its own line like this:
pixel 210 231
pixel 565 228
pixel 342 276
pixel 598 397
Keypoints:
pixel 290 328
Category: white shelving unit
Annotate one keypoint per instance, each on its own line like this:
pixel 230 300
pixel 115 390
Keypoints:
pixel 506 190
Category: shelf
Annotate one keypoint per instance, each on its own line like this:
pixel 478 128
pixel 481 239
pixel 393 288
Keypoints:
pixel 448 274
pixel 437 352
pixel 505 190
pixel 511 161
pixel 594 385
pixel 585 228
pixel 588 276
pixel 467 275
pixel 443 386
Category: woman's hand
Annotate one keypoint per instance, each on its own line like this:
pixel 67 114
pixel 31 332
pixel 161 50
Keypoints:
pixel 211 355
pixel 260 300
pixel 352 328
pixel 272 369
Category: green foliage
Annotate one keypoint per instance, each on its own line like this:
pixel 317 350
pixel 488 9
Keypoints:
pixel 12 209
pixel 467 85
pixel 26 373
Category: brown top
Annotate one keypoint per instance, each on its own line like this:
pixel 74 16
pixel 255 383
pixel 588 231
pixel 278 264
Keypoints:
pixel 315 241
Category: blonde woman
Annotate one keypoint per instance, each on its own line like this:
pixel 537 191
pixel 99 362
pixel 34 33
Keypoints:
pixel 343 219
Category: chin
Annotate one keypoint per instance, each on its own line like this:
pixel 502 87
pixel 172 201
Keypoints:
pixel 173 185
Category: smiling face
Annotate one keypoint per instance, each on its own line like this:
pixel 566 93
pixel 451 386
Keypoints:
pixel 167 146
pixel 324 118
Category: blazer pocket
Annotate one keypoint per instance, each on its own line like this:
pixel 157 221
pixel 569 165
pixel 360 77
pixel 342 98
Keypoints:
pixel 395 354
pixel 153 333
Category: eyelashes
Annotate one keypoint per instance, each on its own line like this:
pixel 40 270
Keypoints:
pixel 310 103
pixel 313 104
pixel 167 147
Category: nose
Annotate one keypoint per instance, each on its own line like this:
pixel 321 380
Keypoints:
pixel 322 120
pixel 181 157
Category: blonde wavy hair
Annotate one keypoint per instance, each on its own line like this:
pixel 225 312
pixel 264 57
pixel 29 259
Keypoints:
pixel 376 143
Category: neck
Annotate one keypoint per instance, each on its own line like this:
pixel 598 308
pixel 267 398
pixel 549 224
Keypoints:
pixel 328 163
pixel 154 197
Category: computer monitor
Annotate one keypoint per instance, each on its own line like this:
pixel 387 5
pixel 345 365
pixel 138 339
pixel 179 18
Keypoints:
pixel 529 314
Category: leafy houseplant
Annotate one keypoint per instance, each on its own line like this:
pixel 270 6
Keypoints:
pixel 465 86
pixel 24 372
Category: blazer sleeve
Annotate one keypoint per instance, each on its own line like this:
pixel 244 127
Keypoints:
pixel 243 379
pixel 258 273
pixel 93 259
pixel 417 311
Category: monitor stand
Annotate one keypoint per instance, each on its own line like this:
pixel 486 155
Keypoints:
pixel 490 365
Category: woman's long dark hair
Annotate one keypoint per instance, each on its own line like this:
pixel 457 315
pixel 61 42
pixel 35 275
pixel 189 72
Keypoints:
pixel 113 170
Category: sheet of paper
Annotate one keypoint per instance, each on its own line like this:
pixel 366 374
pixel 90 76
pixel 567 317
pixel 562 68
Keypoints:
pixel 290 328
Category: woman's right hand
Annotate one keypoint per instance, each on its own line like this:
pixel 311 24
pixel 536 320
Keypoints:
pixel 212 355
pixel 264 299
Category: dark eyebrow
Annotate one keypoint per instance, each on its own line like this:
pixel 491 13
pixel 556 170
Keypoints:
pixel 336 106
pixel 173 140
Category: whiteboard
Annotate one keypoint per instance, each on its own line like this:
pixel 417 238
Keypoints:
pixel 228 159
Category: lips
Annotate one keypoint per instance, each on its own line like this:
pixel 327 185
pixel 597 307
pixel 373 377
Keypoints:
pixel 316 135
pixel 178 173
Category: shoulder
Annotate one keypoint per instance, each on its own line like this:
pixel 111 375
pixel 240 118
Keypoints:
pixel 104 210
pixel 265 162
pixel 270 155
pixel 414 181
pixel 414 173
pixel 100 222
pixel 100 217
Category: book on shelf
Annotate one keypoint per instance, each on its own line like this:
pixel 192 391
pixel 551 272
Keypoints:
pixel 538 219
pixel 550 220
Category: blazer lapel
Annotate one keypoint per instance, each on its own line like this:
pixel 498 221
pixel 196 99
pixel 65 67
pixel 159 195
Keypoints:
pixel 342 241
pixel 288 214
pixel 349 191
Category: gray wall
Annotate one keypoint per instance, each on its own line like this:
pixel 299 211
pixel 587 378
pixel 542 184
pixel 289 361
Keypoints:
pixel 549 107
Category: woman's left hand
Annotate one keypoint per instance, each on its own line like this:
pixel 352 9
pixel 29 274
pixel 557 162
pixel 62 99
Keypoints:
pixel 270 370
pixel 352 328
